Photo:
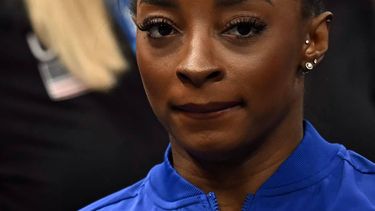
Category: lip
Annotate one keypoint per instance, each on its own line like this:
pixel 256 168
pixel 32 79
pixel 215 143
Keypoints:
pixel 207 110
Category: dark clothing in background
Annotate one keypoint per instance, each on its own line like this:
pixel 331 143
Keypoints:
pixel 64 155
pixel 340 93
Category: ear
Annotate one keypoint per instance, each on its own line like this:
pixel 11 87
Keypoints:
pixel 318 38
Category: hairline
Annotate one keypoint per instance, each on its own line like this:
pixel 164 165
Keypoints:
pixel 308 10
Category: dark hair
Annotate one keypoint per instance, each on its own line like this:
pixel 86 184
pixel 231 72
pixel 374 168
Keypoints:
pixel 310 8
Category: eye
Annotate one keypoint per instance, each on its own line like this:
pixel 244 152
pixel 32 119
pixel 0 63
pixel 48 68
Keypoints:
pixel 245 27
pixel 158 27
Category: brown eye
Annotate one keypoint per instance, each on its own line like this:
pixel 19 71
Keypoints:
pixel 158 27
pixel 244 28
pixel 161 30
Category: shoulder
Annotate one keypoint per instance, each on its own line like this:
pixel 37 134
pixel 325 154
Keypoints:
pixel 124 196
pixel 356 178
pixel 359 163
pixel 349 184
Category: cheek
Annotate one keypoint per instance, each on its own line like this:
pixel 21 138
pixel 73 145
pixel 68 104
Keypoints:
pixel 156 76
pixel 267 77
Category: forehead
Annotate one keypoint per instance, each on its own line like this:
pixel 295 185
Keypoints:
pixel 277 8
pixel 175 3
pixel 291 6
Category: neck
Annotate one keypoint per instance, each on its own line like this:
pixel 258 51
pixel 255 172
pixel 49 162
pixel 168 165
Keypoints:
pixel 233 180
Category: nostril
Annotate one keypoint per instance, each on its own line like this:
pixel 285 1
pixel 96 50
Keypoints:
pixel 216 75
pixel 199 77
pixel 183 77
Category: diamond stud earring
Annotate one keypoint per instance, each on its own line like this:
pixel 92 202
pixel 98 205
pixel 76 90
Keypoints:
pixel 309 66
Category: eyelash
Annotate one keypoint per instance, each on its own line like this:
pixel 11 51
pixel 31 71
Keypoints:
pixel 151 22
pixel 255 27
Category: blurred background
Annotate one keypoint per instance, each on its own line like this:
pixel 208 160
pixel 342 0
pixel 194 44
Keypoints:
pixel 75 124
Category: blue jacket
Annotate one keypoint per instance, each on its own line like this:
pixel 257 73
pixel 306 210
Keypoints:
pixel 317 176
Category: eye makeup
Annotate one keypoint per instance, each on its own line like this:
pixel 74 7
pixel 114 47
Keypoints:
pixel 241 27
pixel 158 27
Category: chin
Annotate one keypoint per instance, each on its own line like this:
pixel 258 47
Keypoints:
pixel 213 146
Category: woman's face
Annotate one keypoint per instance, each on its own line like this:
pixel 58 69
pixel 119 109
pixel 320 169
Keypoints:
pixel 220 74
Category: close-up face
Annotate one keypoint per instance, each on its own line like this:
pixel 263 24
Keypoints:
pixel 220 73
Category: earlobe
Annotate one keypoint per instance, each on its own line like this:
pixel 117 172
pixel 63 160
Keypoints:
pixel 317 39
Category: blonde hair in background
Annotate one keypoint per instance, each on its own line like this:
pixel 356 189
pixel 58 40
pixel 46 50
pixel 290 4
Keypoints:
pixel 80 33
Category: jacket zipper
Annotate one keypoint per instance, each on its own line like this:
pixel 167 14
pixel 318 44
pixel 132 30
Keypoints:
pixel 213 201
pixel 247 203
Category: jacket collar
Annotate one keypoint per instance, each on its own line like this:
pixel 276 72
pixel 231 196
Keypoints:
pixel 311 160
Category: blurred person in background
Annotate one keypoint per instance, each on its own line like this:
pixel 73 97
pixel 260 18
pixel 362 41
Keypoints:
pixel 75 123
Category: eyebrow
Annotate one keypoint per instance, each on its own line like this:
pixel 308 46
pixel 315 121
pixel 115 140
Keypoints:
pixel 222 3
pixel 161 3
pixel 173 4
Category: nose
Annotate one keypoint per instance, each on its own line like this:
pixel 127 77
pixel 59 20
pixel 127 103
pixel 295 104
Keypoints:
pixel 199 65
pixel 199 77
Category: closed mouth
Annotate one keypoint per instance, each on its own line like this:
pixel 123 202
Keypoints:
pixel 206 108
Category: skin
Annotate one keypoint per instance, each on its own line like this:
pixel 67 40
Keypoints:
pixel 231 104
